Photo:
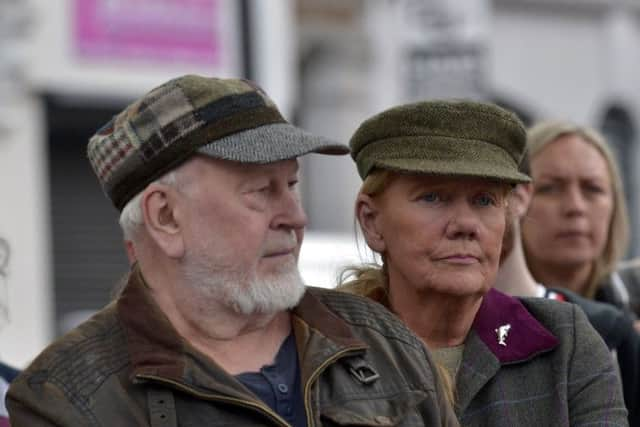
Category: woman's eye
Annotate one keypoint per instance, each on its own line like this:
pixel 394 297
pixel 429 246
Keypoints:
pixel 592 188
pixel 293 183
pixel 430 197
pixel 485 200
pixel 544 188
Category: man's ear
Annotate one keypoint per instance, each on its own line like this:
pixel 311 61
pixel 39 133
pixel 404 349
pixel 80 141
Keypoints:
pixel 367 216
pixel 131 251
pixel 159 203
pixel 520 199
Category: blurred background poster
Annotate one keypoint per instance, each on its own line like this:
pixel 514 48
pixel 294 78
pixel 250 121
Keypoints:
pixel 148 30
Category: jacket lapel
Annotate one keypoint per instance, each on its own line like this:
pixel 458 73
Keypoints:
pixel 503 333
pixel 321 336
pixel 479 365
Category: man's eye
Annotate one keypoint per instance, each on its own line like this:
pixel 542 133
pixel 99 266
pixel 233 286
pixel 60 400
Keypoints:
pixel 293 183
pixel 262 189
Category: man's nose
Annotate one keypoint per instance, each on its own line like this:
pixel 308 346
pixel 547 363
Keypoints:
pixel 289 212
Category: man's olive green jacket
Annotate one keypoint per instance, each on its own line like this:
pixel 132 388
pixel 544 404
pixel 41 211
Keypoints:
pixel 127 366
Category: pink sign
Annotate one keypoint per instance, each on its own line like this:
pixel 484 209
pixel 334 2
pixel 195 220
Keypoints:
pixel 166 31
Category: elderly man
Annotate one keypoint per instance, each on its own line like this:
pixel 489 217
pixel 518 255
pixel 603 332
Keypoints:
pixel 215 326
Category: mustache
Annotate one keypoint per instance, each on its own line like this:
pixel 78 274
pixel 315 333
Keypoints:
pixel 282 243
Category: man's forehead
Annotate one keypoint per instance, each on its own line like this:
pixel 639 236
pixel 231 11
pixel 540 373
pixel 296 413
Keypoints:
pixel 258 169
pixel 246 170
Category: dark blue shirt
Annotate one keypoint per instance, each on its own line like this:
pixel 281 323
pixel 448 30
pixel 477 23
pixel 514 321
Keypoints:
pixel 7 372
pixel 278 385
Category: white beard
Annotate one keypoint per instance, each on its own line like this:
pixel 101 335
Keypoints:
pixel 242 291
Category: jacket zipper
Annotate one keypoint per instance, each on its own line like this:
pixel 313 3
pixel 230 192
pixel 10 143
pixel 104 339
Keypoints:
pixel 213 397
pixel 316 374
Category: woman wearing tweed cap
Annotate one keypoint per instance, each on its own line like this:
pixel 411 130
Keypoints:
pixel 434 205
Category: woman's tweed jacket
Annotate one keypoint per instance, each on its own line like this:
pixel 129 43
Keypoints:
pixel 554 369
pixel 615 326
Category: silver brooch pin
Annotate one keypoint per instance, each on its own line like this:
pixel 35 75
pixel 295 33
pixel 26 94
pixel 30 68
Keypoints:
pixel 502 332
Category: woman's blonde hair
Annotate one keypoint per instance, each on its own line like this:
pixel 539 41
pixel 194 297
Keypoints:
pixel 547 132
pixel 368 278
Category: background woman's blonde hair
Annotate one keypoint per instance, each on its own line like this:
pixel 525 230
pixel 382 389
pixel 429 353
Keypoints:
pixel 545 133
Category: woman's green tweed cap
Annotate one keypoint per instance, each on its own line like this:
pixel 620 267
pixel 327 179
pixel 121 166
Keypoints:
pixel 464 138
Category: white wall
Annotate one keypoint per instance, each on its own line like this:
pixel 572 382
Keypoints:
pixel 274 48
pixel 24 224
pixel 324 256
pixel 550 60
pixel 622 54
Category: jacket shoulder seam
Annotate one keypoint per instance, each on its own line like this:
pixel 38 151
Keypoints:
pixel 363 312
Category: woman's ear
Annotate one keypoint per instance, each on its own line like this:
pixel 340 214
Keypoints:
pixel 367 216
pixel 159 203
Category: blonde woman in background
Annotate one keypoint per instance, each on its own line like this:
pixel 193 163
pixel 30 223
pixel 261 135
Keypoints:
pixel 576 229
pixel 433 204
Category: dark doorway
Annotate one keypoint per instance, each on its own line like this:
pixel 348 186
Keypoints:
pixel 88 254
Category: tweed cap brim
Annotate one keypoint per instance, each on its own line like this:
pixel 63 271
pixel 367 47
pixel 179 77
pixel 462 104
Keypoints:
pixel 270 143
pixel 440 156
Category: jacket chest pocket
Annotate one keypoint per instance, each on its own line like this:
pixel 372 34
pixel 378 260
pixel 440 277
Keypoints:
pixel 392 411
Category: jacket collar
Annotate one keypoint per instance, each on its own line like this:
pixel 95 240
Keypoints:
pixel 156 349
pixel 317 316
pixel 484 355
pixel 523 336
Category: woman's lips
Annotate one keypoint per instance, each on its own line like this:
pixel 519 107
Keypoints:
pixel 460 259
pixel 574 234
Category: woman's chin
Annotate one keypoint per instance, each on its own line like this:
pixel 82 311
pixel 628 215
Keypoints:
pixel 464 286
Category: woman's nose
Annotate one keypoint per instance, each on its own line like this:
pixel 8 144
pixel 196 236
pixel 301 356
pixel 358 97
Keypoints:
pixel 574 202
pixel 463 222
